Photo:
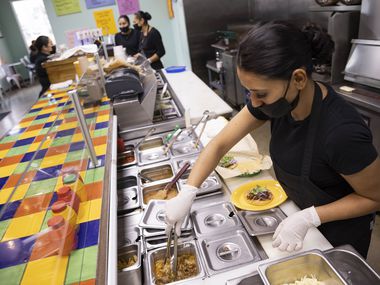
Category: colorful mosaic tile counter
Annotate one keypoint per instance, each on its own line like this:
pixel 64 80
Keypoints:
pixel 34 155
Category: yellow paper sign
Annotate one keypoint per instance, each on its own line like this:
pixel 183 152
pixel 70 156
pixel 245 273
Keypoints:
pixel 106 21
pixel 64 7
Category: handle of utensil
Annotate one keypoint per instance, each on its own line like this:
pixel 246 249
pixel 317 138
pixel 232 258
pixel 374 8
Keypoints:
pixel 175 251
pixel 173 139
pixel 151 131
pixel 205 115
pixel 178 175
pixel 200 134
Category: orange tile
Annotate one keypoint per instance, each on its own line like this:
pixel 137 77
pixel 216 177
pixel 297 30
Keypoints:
pixel 78 165
pixel 57 150
pixel 39 138
pixel 100 140
pixel 12 180
pixel 103 112
pixel 28 119
pixel 5 146
pixel 88 282
pixel 11 160
pixel 35 127
pixel 33 205
pixel 94 190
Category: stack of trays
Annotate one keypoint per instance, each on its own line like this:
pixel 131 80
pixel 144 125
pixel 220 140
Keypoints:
pixel 153 225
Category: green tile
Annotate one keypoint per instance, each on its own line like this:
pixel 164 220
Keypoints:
pixel 41 187
pixel 12 274
pixel 89 262
pixel 94 175
pixel 39 121
pixel 104 107
pixel 30 115
pixel 100 132
pixel 44 131
pixel 48 215
pixel 18 150
pixel 91 120
pixel 21 167
pixel 10 138
pixel 61 141
pixel 35 164
pixel 3 227
pixel 76 155
pixel 74 267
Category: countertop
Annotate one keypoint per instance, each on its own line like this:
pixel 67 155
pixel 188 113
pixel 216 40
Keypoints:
pixel 196 96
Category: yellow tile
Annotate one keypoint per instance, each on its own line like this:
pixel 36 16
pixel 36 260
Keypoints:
pixel 7 170
pixel 95 210
pixel 104 118
pixel 24 124
pixel 77 138
pixel 67 126
pixel 30 134
pixel 33 147
pixel 3 153
pixel 46 144
pixel 84 212
pixel 101 149
pixel 53 160
pixel 50 270
pixel 18 195
pixel 24 226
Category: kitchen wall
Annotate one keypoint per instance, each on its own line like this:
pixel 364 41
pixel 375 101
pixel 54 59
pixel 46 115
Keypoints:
pixel 173 31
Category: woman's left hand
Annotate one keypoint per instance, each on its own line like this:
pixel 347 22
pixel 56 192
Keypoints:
pixel 291 232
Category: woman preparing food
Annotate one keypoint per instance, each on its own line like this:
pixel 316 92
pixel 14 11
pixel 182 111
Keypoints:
pixel 321 148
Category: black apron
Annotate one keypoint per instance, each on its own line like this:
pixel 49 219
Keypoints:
pixel 301 190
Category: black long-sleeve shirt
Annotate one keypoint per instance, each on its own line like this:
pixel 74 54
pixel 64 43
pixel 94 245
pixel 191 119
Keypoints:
pixel 40 71
pixel 129 41
pixel 152 44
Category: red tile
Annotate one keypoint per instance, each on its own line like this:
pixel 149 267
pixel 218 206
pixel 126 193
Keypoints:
pixel 94 190
pixel 4 146
pixel 34 204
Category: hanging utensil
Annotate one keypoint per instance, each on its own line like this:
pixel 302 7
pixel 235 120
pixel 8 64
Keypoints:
pixel 174 265
pixel 148 134
pixel 168 186
pixel 172 141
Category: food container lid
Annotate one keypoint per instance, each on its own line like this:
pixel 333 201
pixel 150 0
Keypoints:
pixel 56 222
pixel 63 191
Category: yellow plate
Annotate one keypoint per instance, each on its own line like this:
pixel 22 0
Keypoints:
pixel 238 197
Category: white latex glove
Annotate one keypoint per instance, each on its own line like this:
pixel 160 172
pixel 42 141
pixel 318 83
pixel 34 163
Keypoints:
pixel 179 207
pixel 291 232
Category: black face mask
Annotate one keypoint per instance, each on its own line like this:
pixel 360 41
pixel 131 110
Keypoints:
pixel 136 27
pixel 281 107
pixel 124 29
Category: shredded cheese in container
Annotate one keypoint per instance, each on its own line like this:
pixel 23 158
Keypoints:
pixel 307 281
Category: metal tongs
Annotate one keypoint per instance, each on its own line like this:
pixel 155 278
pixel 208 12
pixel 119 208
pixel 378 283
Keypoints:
pixel 148 134
pixel 207 115
pixel 168 186
pixel 172 140
pixel 173 264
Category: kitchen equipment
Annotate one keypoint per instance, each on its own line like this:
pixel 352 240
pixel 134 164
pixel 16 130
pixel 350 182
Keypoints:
pixel 148 134
pixel 127 157
pixel 227 251
pixel 261 223
pixel 351 266
pixel 155 173
pixel 186 148
pixel 215 219
pixel 124 83
pixel 188 248
pixel 154 217
pixel 351 2
pixel 131 274
pixel 127 235
pixel 296 267
pixel 173 139
pixel 175 179
pixel 155 192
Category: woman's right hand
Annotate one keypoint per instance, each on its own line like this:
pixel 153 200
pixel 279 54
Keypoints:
pixel 178 208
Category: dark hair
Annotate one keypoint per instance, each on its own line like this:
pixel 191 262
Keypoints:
pixel 125 17
pixel 41 41
pixel 275 49
pixel 143 15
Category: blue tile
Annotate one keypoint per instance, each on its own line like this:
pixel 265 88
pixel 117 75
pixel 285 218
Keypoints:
pixel 35 110
pixel 90 115
pixel 58 98
pixel 105 103
pixel 61 104
pixel 64 133
pixel 10 210
pixel 102 125
pixel 41 153
pixel 88 234
pixel 53 199
pixel 58 122
pixel 46 173
pixel 101 158
pixel 77 146
pixel 23 142
pixel 3 180
pixel 47 125
pixel 17 251
pixel 27 156
pixel 42 116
